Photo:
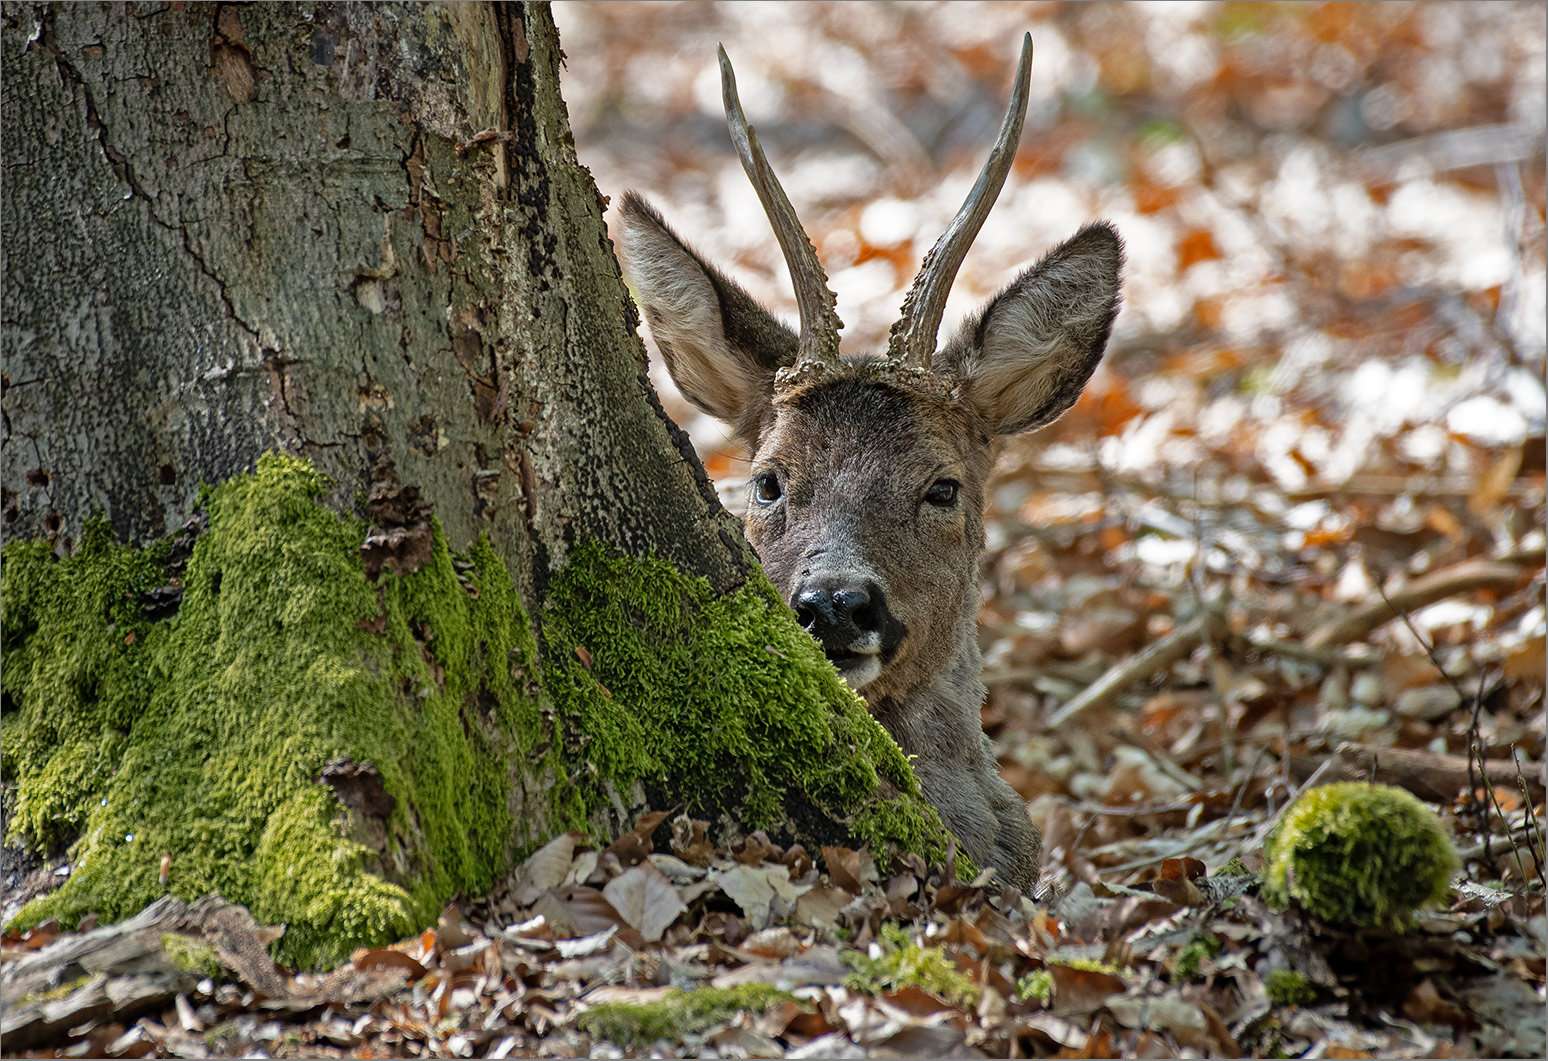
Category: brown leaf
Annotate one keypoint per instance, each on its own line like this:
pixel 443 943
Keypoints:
pixel 843 867
pixel 1182 869
pixel 772 944
pixel 387 958
pixel 756 850
pixel 797 861
pixel 580 911
pixel 645 899
pixel 635 845
pixel 584 656
pixel 690 841
pixel 1424 1005
pixel 449 933
pixel 1183 892
pixel 821 906
pixel 1081 990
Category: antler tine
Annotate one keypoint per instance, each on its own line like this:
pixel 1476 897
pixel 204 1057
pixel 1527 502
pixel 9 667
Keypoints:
pixel 913 336
pixel 820 324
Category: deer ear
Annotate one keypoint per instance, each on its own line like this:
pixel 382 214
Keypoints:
pixel 1026 355
pixel 721 348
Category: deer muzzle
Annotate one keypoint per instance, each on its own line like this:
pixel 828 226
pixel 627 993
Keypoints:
pixel 850 619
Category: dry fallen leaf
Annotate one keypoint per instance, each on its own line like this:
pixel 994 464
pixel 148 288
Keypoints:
pixel 645 899
pixel 545 868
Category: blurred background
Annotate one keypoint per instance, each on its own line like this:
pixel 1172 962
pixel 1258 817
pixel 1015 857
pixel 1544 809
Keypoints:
pixel 1326 380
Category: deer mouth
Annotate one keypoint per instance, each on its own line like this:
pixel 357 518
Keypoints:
pixel 858 669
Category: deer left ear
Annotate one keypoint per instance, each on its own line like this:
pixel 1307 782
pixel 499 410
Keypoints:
pixel 1027 355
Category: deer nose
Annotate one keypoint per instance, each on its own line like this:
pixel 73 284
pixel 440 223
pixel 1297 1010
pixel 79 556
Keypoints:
pixel 830 612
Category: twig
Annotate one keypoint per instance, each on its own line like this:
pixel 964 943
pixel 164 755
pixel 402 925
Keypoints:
pixel 1257 838
pixel 1531 814
pixel 1196 582
pixel 1150 661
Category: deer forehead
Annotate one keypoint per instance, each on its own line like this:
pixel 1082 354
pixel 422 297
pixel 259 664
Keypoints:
pixel 867 440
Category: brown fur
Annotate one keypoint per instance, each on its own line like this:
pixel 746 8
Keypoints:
pixel 855 456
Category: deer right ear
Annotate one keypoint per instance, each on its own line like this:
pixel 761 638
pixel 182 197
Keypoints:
pixel 1028 353
pixel 721 348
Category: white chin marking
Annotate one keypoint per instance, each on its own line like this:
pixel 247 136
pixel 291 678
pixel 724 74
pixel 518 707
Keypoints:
pixel 861 673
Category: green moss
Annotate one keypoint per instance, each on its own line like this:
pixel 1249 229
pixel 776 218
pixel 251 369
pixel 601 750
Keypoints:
pixel 201 735
pixel 194 955
pixel 1234 868
pixel 905 963
pixel 1286 987
pixel 1359 854
pixel 1090 965
pixel 64 990
pixel 1186 965
pixel 677 1014
pixel 1037 984
pixel 719 701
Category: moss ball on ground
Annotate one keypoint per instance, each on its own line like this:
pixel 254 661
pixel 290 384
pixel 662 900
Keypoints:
pixel 1359 854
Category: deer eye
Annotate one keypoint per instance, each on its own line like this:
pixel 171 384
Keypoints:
pixel 943 492
pixel 766 488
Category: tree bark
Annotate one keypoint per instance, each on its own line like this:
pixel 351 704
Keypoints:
pixel 358 236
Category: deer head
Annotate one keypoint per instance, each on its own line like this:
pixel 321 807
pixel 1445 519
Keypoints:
pixel 869 473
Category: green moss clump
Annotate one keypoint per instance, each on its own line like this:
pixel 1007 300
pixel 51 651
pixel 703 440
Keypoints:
pixel 676 1014
pixel 194 955
pixel 201 735
pixel 1186 965
pixel 905 963
pixel 719 701
pixel 1037 984
pixel 1286 987
pixel 1359 854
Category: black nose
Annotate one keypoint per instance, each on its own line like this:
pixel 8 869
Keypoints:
pixel 839 614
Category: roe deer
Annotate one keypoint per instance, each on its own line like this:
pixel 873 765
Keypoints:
pixel 867 492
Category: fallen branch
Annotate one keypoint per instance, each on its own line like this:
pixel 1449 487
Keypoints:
pixel 1145 664
pixel 1465 577
pixel 123 970
pixel 1431 776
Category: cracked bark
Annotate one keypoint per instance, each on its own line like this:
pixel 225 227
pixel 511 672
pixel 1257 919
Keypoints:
pixel 234 229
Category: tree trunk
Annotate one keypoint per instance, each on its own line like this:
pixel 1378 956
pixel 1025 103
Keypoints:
pixel 245 245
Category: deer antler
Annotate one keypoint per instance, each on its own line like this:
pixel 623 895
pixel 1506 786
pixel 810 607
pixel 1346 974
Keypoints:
pixel 820 324
pixel 913 337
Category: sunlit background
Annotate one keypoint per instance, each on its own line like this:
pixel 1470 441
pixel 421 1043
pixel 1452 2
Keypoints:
pixel 1327 375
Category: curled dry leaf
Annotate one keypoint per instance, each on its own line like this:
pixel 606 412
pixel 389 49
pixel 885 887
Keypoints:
pixel 545 868
pixel 843 867
pixel 636 844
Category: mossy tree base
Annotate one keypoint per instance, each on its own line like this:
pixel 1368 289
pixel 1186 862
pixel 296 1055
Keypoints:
pixel 344 755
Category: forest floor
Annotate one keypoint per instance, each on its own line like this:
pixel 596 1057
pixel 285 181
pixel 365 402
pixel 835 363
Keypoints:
pixel 1292 533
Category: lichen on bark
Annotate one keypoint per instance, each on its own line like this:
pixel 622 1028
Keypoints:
pixel 210 735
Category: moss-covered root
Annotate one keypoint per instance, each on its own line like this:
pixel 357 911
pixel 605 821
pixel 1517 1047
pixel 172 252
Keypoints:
pixel 202 735
pixel 1361 855
pixel 676 1013
pixel 723 704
